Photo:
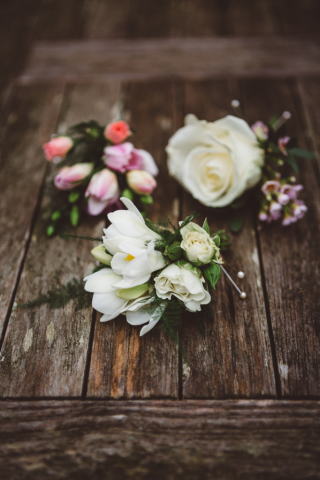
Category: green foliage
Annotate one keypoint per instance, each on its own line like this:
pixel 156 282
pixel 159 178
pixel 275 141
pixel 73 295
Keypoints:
pixel 73 197
pixel 147 199
pixel 301 152
pixel 59 297
pixel 174 251
pixel 74 216
pixel 92 239
pixel 236 222
pixel 212 273
pixel 206 227
pixel 293 162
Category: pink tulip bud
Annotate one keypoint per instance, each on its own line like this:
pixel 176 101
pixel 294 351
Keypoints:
pixel 270 186
pixel 282 142
pixel 125 157
pixel 103 191
pixel 57 147
pixel 141 182
pixel 70 177
pixel 261 130
pixel 117 132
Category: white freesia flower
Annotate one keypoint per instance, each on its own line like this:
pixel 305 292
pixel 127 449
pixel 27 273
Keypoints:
pixel 216 162
pixel 199 247
pixel 137 315
pixel 186 283
pixel 132 244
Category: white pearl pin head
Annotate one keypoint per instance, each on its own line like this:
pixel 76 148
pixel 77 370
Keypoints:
pixel 243 295
pixel 240 274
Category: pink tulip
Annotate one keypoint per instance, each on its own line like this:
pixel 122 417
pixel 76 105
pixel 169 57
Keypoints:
pixel 70 177
pixel 261 130
pixel 282 142
pixel 117 132
pixel 57 147
pixel 125 157
pixel 103 191
pixel 141 182
pixel 270 186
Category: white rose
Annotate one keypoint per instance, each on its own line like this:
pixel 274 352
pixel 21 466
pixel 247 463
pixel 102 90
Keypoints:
pixel 185 284
pixel 199 247
pixel 216 162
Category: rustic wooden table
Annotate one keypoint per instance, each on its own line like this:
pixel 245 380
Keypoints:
pixel 80 397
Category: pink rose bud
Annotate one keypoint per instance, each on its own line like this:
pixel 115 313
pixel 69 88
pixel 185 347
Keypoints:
pixel 70 177
pixel 57 147
pixel 261 130
pixel 141 182
pixel 103 191
pixel 283 198
pixel 263 217
pixel 117 132
pixel 270 186
pixel 282 142
pixel 125 157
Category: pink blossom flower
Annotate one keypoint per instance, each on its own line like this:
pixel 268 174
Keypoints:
pixel 291 190
pixel 261 130
pixel 70 177
pixel 125 157
pixel 57 147
pixel 287 220
pixel 282 142
pixel 275 210
pixel 283 198
pixel 299 209
pixel 103 191
pixel 117 132
pixel 263 216
pixel 141 182
pixel 270 186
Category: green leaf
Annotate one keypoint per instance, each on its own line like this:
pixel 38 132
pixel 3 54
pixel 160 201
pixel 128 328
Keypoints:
pixel 205 226
pixel 301 152
pixel 212 273
pixel 292 161
pixel 55 216
pixel 73 197
pixel 216 240
pixel 174 251
pixel 146 199
pixel 127 193
pixel 236 222
pixel 50 230
pixel 74 216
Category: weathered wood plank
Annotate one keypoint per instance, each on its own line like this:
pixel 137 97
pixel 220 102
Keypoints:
pixel 45 351
pixel 124 365
pixel 252 18
pixel 170 57
pixel 291 255
pixel 309 90
pixel 106 18
pixel 148 19
pixel 295 18
pixel 32 118
pixel 160 439
pixel 232 357
pixel 59 20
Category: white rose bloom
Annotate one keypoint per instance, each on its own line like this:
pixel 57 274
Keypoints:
pixel 132 244
pixel 184 284
pixel 199 247
pixel 216 162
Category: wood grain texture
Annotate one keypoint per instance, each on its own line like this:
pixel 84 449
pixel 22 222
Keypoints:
pixel 59 20
pixel 106 18
pixel 173 57
pixel 32 118
pixel 148 19
pixel 291 255
pixel 124 365
pixel 45 351
pixel 160 439
pixel 309 90
pixel 232 357
pixel 252 18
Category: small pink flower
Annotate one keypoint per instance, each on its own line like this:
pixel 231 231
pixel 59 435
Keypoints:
pixel 282 142
pixel 287 220
pixel 125 157
pixel 70 177
pixel 275 210
pixel 291 190
pixel 141 182
pixel 103 191
pixel 263 217
pixel 57 147
pixel 117 132
pixel 299 209
pixel 270 186
pixel 261 130
pixel 283 198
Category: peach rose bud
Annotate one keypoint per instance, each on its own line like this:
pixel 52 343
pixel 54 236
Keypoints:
pixel 70 177
pixel 103 191
pixel 141 182
pixel 57 147
pixel 117 132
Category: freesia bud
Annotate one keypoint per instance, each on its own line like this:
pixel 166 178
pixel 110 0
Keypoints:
pixel 141 181
pixel 117 132
pixel 133 293
pixel 99 253
pixel 70 177
pixel 57 147
pixel 103 190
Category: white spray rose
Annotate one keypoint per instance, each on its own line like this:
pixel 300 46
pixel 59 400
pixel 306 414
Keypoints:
pixel 199 247
pixel 185 283
pixel 216 162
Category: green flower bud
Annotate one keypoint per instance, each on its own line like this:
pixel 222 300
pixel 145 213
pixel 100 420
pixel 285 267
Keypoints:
pixel 55 216
pixel 74 216
pixel 127 193
pixel 133 293
pixel 50 230
pixel 100 254
pixel 174 251
pixel 147 199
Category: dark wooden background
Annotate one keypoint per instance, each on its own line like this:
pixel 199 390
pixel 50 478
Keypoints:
pixel 246 405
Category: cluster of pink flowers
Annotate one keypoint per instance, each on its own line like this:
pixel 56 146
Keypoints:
pixel 103 188
pixel 281 201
